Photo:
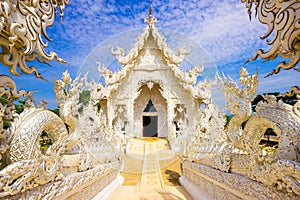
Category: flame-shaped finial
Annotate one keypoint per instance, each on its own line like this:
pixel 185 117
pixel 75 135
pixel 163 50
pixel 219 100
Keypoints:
pixel 150 9
pixel 150 20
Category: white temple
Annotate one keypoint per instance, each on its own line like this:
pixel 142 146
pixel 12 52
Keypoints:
pixel 89 145
pixel 150 95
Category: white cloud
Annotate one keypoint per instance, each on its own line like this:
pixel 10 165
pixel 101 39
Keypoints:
pixel 222 28
pixel 279 82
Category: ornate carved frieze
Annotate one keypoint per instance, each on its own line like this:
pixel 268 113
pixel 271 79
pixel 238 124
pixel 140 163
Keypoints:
pixel 220 185
pixel 87 183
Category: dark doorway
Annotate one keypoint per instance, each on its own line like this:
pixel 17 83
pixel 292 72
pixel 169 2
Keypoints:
pixel 150 126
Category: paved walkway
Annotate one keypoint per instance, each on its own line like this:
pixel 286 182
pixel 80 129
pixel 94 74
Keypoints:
pixel 151 171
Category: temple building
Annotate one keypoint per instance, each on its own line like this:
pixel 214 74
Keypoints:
pixel 150 95
pixel 152 131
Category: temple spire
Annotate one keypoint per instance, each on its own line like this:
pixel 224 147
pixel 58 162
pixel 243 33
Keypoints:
pixel 150 9
pixel 150 20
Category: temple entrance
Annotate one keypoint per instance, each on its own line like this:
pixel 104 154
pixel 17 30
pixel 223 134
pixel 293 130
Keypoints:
pixel 150 120
pixel 150 126
pixel 150 113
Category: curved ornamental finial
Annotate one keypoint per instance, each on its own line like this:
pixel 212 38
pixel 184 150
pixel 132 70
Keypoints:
pixel 150 20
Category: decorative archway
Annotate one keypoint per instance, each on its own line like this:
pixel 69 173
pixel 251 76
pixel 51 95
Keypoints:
pixel 150 113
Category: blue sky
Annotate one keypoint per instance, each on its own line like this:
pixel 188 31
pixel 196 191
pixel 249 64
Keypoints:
pixel 221 28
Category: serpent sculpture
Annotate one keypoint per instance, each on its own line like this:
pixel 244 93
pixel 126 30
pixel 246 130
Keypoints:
pixel 274 167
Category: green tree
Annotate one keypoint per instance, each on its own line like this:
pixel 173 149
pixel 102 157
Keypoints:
pixel 55 110
pixel 228 118
pixel 84 97
pixel 18 104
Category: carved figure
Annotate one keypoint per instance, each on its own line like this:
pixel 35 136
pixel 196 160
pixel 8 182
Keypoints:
pixel 238 102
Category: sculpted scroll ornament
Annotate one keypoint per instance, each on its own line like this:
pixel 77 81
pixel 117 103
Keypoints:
pixel 23 24
pixel 26 174
pixel 281 168
pixel 230 185
pixel 237 150
pixel 210 145
pixel 282 18
pixel 109 76
pixel 203 90
pixel 94 138
pixel 97 139
pixel 97 91
pixel 67 92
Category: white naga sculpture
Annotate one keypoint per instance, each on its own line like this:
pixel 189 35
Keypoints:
pixel 236 149
pixel 87 142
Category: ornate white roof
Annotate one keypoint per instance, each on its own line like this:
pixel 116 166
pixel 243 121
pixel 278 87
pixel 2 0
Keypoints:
pixel 127 61
pixel 170 57
pixel 172 60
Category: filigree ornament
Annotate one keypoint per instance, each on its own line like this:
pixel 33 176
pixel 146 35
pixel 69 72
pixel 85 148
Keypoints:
pixel 23 24
pixel 68 90
pixel 221 185
pixel 97 138
pixel 27 174
pixel 202 90
pixel 210 144
pixel 282 18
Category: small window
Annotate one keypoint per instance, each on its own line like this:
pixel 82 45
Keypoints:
pixel 150 107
